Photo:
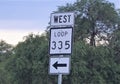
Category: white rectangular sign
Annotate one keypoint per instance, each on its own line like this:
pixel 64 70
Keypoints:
pixel 59 19
pixel 59 65
pixel 61 41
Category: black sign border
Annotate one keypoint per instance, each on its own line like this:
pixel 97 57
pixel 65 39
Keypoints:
pixel 60 73
pixel 52 54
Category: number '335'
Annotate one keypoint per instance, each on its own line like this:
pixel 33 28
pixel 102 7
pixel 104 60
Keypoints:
pixel 60 45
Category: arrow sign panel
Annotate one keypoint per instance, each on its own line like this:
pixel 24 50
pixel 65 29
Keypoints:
pixel 56 65
pixel 59 65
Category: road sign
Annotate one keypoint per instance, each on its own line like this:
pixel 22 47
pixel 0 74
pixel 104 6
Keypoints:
pixel 59 65
pixel 59 19
pixel 61 41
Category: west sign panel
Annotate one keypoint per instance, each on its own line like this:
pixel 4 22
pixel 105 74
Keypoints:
pixel 59 65
pixel 60 19
pixel 60 41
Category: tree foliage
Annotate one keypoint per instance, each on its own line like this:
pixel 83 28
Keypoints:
pixel 93 65
pixel 115 45
pixel 89 64
pixel 94 18
pixel 5 50
pixel 5 53
pixel 30 61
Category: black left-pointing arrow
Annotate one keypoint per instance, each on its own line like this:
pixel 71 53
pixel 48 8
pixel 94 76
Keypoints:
pixel 56 65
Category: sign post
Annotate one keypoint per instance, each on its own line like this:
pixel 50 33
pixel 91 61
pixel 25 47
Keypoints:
pixel 60 44
pixel 60 79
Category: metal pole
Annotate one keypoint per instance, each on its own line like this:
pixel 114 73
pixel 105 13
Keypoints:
pixel 60 79
pixel 60 75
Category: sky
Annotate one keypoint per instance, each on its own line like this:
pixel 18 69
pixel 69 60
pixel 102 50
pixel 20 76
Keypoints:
pixel 19 18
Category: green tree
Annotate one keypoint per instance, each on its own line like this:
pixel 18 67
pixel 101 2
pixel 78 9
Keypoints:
pixel 5 50
pixel 115 45
pixel 5 54
pixel 30 61
pixel 92 65
pixel 94 19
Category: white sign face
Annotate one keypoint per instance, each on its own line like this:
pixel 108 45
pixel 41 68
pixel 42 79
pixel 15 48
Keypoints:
pixel 59 65
pixel 58 19
pixel 61 41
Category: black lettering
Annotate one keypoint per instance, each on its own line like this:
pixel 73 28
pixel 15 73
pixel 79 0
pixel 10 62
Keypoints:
pixel 55 19
pixel 62 33
pixel 69 18
pixel 66 33
pixel 67 45
pixel 58 34
pixel 65 19
pixel 54 45
pixel 55 34
pixel 60 19
pixel 60 45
